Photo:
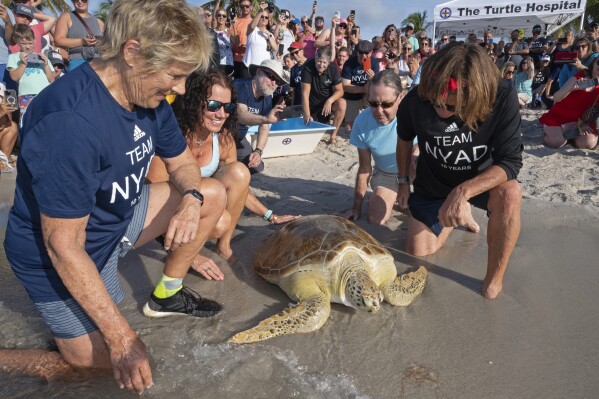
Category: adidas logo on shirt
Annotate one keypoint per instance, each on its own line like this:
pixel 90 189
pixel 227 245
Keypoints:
pixel 452 128
pixel 138 133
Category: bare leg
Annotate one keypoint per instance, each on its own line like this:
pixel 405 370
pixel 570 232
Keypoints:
pixel 503 230
pixel 8 138
pixel 380 205
pixel 587 142
pixel 78 359
pixel 164 201
pixel 554 136
pixel 236 179
pixel 339 110
pixel 422 241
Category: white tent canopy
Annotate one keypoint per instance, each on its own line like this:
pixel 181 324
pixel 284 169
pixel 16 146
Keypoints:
pixel 461 18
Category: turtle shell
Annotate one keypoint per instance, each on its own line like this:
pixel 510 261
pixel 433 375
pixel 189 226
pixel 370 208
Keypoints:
pixel 312 242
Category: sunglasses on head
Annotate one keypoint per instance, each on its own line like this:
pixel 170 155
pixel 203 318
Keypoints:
pixel 214 106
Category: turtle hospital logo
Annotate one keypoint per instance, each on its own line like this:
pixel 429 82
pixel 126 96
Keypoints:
pixel 445 12
pixel 286 141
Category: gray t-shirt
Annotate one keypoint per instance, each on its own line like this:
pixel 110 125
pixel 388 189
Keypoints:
pixel 516 58
pixel 3 46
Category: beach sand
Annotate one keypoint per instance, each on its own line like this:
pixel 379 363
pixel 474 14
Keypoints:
pixel 537 340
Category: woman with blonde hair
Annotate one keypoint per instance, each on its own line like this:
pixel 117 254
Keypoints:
pixel 83 204
pixel 467 121
pixel 523 81
pixel 508 70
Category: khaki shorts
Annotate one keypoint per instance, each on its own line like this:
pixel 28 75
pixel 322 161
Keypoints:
pixel 353 109
pixel 384 179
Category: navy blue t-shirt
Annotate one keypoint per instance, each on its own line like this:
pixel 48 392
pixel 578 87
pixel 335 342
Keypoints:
pixel 81 154
pixel 354 72
pixel 257 106
pixel 296 83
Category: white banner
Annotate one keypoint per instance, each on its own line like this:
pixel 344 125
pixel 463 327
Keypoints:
pixel 458 10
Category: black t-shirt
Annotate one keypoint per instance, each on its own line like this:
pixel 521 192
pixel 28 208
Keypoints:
pixel 541 77
pixel 296 83
pixel 354 72
pixel 450 153
pixel 533 49
pixel 321 85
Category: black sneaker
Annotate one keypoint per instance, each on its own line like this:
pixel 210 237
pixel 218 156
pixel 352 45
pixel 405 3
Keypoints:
pixel 186 301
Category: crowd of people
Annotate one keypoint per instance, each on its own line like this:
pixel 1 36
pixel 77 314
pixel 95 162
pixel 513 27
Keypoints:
pixel 106 164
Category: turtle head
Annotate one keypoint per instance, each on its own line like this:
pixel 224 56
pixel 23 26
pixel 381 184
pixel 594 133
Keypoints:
pixel 362 292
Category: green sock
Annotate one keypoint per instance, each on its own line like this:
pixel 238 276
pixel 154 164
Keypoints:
pixel 168 287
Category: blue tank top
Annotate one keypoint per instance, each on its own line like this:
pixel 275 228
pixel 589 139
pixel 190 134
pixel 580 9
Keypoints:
pixel 209 169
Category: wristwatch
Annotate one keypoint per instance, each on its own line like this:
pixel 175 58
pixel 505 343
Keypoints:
pixel 403 179
pixel 196 194
pixel 258 150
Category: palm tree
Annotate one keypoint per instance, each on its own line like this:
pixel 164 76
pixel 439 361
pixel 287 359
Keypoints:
pixel 56 6
pixel 102 11
pixel 227 4
pixel 419 19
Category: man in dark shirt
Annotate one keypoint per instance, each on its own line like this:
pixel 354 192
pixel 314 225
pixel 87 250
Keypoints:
pixel 322 91
pixel 255 107
pixel 538 45
pixel 469 136
pixel 296 51
pixel 355 78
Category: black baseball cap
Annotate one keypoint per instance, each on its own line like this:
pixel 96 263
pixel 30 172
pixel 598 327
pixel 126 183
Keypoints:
pixel 537 28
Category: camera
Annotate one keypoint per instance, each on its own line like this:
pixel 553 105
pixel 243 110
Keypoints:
pixel 391 55
pixel 352 12
pixel 33 58
pixel 232 13
pixel 586 83
pixel 354 32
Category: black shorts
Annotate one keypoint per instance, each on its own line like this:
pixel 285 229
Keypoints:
pixel 244 150
pixel 426 210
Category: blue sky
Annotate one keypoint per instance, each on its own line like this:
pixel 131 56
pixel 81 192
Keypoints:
pixel 371 15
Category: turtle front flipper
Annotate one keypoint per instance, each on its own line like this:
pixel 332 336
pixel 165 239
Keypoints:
pixel 402 290
pixel 305 316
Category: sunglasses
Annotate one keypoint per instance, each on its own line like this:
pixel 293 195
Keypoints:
pixel 384 104
pixel 304 22
pixel 263 17
pixel 208 14
pixel 579 47
pixel 363 52
pixel 391 30
pixel 342 26
pixel 450 108
pixel 221 15
pixel 270 75
pixel 80 1
pixel 244 6
pixel 294 52
pixel 509 72
pixel 214 106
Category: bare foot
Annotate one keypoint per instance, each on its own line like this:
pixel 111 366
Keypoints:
pixel 491 290
pixel 207 268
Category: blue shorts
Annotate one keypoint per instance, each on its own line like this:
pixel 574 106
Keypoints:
pixel 426 210
pixel 65 318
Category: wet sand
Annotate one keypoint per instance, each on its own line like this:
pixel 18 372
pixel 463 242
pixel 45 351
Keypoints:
pixel 537 340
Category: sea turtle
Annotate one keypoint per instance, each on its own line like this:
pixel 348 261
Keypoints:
pixel 321 259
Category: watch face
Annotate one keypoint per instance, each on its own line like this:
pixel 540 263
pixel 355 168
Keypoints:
pixel 196 194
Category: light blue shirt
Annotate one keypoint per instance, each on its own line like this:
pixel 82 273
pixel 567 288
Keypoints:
pixel 381 140
pixel 523 83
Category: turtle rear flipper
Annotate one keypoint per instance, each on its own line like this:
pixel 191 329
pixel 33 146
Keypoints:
pixel 402 290
pixel 305 316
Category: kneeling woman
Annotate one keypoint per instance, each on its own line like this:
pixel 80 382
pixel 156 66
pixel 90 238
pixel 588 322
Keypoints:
pixel 206 115
pixel 572 118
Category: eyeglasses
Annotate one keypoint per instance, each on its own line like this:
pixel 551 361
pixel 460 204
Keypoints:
pixel 214 106
pixel 245 6
pixel 579 47
pixel 221 15
pixel 383 104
